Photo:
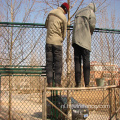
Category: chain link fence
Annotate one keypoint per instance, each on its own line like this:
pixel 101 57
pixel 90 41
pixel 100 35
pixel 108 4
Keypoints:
pixel 101 103
pixel 23 44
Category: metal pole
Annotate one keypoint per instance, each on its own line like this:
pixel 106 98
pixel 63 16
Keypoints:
pixel 110 103
pixel 119 92
pixel 115 102
pixel 68 59
pixel 10 93
pixel 43 104
pixel 119 96
pixel 0 92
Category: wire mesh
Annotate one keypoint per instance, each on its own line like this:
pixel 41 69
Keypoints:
pixel 24 44
pixel 96 104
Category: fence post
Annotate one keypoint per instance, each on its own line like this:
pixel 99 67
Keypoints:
pixel 43 104
pixel 10 94
pixel 119 96
pixel 44 110
pixel 115 103
pixel 119 92
pixel 0 92
pixel 110 109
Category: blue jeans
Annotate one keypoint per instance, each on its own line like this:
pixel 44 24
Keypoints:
pixel 53 63
pixel 79 55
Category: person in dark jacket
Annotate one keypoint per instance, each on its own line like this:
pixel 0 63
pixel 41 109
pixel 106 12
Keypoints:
pixel 83 28
pixel 56 24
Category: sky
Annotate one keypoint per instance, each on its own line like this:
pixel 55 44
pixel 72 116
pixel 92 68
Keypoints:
pixel 113 5
pixel 114 8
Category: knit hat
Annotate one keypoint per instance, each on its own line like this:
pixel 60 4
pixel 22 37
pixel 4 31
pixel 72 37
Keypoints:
pixel 65 6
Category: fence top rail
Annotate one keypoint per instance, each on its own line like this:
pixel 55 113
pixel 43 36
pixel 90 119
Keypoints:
pixel 17 24
pixel 39 25
pixel 83 88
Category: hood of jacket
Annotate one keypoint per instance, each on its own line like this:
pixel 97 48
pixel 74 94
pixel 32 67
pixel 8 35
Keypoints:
pixel 92 6
pixel 84 25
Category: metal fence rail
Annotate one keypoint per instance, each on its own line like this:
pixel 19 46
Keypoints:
pixel 23 44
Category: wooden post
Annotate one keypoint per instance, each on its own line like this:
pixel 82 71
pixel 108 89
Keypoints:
pixel 57 108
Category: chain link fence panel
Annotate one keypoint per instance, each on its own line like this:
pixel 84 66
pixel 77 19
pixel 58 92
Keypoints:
pixel 24 44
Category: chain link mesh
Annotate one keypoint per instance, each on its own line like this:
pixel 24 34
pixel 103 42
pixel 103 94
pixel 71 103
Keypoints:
pixel 25 45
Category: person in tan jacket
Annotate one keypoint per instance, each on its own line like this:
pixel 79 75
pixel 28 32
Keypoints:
pixel 56 24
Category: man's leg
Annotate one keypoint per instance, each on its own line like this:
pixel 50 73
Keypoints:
pixel 77 60
pixel 58 64
pixel 86 66
pixel 49 64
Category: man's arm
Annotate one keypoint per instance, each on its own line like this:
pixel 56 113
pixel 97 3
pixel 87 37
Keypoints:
pixel 46 22
pixel 65 29
pixel 92 22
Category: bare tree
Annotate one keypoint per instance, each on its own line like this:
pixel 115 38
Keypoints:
pixel 108 46
pixel 15 39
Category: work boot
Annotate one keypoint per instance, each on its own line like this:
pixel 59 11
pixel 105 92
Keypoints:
pixel 87 86
pixel 58 85
pixel 78 85
pixel 49 85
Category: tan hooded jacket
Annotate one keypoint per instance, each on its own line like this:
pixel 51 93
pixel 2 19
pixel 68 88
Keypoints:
pixel 56 24
pixel 84 26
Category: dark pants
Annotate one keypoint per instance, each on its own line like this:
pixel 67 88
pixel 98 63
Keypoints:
pixel 81 54
pixel 53 62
